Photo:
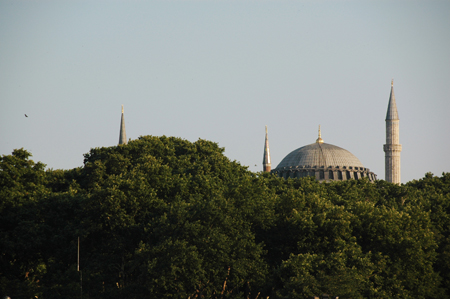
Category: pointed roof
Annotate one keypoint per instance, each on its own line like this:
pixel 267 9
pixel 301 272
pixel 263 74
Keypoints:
pixel 123 134
pixel 392 113
pixel 266 158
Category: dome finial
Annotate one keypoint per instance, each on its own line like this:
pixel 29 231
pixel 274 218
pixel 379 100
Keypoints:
pixel 122 109
pixel 392 82
pixel 319 140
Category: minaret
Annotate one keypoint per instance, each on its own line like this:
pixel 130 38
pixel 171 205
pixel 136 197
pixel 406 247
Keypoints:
pixel 266 159
pixel 123 134
pixel 392 148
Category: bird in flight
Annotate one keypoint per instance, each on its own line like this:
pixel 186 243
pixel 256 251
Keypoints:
pixel 26 115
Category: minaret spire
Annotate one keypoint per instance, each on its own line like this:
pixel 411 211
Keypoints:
pixel 392 148
pixel 392 113
pixel 266 158
pixel 123 134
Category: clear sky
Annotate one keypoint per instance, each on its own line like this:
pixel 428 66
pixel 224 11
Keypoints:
pixel 221 71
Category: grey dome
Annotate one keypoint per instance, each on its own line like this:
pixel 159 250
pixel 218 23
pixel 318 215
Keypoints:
pixel 325 162
pixel 320 154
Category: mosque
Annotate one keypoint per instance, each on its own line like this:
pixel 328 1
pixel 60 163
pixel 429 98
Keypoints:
pixel 324 161
pixel 328 162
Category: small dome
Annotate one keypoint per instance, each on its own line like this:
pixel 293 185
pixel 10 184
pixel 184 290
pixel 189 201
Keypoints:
pixel 320 154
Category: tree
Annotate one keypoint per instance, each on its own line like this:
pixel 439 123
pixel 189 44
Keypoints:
pixel 170 218
pixel 432 194
pixel 22 184
pixel 165 217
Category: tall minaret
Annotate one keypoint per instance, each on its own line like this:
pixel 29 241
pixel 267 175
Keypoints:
pixel 266 159
pixel 123 134
pixel 392 148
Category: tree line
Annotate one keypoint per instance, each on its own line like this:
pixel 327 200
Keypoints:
pixel 162 217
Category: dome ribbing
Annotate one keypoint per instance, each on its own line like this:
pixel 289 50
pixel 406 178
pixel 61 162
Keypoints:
pixel 324 161
pixel 320 154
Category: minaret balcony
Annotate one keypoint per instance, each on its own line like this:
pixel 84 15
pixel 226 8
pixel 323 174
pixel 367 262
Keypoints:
pixel 392 147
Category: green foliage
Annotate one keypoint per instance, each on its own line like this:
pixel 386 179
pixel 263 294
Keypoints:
pixel 22 183
pixel 432 194
pixel 164 217
pixel 21 179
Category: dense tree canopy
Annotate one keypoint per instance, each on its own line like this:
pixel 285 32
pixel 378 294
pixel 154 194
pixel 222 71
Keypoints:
pixel 162 217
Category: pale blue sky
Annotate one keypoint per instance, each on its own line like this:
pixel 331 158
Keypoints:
pixel 222 70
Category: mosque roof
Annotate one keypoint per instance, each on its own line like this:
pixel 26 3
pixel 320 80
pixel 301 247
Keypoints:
pixel 320 154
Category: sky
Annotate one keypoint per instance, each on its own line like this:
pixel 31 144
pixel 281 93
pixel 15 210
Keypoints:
pixel 222 71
